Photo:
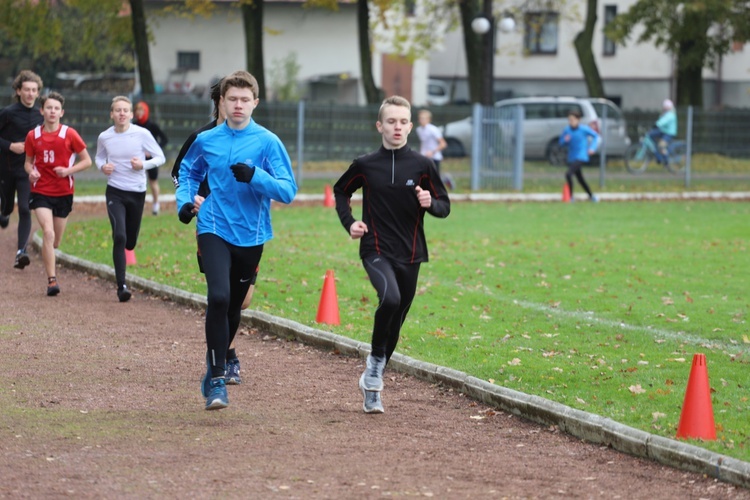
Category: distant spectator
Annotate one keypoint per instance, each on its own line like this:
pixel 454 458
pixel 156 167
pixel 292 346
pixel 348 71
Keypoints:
pixel 142 118
pixel 665 129
pixel 432 143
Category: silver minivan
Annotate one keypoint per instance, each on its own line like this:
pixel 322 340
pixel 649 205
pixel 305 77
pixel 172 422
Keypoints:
pixel 545 119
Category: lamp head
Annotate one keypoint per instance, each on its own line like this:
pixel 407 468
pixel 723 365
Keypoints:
pixel 480 25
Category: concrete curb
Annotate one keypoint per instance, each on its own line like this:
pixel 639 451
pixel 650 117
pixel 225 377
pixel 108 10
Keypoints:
pixel 586 426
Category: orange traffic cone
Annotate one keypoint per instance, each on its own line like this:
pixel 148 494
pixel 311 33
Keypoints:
pixel 130 257
pixel 566 193
pixel 697 419
pixel 328 309
pixel 328 198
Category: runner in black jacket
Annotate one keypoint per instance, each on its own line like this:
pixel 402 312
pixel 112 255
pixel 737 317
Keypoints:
pixel 16 121
pixel 398 186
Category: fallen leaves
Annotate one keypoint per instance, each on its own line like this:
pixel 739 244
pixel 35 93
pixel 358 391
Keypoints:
pixel 637 389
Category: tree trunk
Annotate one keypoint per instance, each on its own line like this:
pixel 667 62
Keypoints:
pixel 469 9
pixel 140 37
pixel 586 55
pixel 372 93
pixel 691 55
pixel 252 21
pixel 690 86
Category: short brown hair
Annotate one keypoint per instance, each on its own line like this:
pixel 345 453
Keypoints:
pixel 53 95
pixel 394 100
pixel 24 76
pixel 575 112
pixel 242 80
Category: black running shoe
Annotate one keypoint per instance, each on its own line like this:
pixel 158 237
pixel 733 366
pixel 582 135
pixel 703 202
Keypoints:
pixel 52 287
pixel 123 293
pixel 22 260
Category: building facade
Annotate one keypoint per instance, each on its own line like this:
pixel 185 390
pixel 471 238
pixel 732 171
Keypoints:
pixel 536 58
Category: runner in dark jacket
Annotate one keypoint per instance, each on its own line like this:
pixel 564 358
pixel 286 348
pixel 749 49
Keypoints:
pixel 398 186
pixel 16 121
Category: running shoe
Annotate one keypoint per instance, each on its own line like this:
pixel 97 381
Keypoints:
pixel 217 394
pixel 372 402
pixel 22 260
pixel 372 377
pixel 4 220
pixel 123 293
pixel 52 287
pixel 594 198
pixel 155 209
pixel 233 372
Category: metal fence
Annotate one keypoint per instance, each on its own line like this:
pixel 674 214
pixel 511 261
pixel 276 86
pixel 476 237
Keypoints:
pixel 314 132
pixel 497 150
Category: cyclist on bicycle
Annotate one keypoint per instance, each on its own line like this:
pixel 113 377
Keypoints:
pixel 665 129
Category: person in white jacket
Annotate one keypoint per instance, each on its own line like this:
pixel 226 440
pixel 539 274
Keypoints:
pixel 121 153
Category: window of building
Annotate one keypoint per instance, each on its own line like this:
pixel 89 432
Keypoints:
pixel 541 32
pixel 410 7
pixel 610 12
pixel 188 60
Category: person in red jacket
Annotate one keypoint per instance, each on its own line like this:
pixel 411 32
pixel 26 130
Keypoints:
pixel 54 152
pixel 399 186
pixel 143 118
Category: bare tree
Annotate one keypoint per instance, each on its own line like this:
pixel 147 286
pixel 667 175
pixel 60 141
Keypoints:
pixel 475 69
pixel 372 93
pixel 140 37
pixel 586 55
pixel 252 20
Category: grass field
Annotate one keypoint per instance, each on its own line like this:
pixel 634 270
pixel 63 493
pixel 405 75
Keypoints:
pixel 597 306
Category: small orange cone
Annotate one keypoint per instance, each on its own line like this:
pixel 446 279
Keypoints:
pixel 566 193
pixel 328 198
pixel 697 419
pixel 130 257
pixel 328 309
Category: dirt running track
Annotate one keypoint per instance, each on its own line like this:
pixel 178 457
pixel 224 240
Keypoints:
pixel 101 400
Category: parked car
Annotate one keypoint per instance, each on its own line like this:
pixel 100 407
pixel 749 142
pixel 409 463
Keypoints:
pixel 438 93
pixel 545 118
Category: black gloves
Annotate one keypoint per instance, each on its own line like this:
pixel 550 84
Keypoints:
pixel 242 172
pixel 186 213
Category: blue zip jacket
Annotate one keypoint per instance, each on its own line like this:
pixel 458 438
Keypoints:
pixel 578 145
pixel 237 212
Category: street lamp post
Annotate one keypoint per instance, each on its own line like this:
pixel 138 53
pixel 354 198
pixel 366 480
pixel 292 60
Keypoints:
pixel 486 25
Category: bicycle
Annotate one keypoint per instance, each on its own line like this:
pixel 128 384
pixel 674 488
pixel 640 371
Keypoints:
pixel 640 154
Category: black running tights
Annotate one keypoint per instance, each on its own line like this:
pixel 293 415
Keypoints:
pixel 396 285
pixel 16 183
pixel 229 272
pixel 125 210
pixel 575 168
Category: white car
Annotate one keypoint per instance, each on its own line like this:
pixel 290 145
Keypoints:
pixel 545 119
pixel 438 93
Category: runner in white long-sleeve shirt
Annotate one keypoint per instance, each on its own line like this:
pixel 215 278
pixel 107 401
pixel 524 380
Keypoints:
pixel 121 156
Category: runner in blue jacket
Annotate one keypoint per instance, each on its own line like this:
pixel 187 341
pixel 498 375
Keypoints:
pixel 582 142
pixel 246 166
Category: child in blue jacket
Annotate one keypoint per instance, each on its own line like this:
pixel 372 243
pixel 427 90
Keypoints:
pixel 581 141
